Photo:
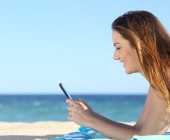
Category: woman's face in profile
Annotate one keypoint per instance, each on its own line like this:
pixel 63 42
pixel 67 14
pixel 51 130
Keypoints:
pixel 125 53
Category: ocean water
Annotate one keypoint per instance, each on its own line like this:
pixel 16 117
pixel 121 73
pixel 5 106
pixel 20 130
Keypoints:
pixel 33 108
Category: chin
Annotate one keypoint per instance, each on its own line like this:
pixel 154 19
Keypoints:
pixel 130 72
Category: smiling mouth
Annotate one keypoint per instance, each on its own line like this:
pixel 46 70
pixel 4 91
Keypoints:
pixel 124 63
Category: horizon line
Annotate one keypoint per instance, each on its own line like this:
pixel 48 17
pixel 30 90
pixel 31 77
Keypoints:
pixel 46 93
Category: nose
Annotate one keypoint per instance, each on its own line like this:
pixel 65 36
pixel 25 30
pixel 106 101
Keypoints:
pixel 115 56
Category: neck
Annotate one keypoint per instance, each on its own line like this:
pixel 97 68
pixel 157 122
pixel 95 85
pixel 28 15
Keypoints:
pixel 143 74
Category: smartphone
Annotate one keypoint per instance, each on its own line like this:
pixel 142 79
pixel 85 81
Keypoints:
pixel 62 88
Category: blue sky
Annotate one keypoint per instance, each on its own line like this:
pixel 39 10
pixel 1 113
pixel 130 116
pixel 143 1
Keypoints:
pixel 45 42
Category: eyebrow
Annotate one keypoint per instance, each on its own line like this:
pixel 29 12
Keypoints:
pixel 116 43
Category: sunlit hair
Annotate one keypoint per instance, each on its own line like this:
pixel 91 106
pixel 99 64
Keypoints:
pixel 152 43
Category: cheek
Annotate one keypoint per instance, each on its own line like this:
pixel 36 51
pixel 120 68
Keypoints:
pixel 126 55
pixel 133 59
pixel 132 54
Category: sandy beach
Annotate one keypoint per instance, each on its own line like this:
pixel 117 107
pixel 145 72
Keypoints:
pixel 37 131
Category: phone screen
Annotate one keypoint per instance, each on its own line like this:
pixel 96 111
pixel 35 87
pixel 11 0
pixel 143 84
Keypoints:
pixel 62 88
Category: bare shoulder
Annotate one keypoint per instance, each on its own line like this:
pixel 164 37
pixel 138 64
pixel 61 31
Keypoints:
pixel 143 116
pixel 156 102
pixel 158 116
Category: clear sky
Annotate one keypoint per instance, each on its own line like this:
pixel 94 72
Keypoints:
pixel 45 42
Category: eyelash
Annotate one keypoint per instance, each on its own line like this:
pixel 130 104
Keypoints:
pixel 117 48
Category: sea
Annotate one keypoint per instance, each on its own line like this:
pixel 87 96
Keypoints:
pixel 34 108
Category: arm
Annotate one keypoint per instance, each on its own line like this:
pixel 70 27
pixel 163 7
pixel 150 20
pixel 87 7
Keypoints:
pixel 145 111
pixel 141 120
pixel 113 122
pixel 137 127
pixel 158 117
pixel 104 118
pixel 113 130
pixel 153 120
pixel 81 115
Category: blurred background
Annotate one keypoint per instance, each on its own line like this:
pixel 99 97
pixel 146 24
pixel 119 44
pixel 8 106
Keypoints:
pixel 43 43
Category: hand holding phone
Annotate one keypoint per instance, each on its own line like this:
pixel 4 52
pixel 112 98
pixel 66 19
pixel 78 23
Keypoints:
pixel 62 88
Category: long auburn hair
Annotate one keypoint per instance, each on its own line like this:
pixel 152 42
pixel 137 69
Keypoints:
pixel 152 43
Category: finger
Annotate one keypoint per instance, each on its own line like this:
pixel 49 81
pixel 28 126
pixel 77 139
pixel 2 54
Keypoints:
pixel 69 118
pixel 69 108
pixel 68 101
pixel 70 114
pixel 79 104
pixel 80 100
pixel 71 102
pixel 72 108
pixel 83 104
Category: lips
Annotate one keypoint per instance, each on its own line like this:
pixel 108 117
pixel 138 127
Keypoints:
pixel 123 63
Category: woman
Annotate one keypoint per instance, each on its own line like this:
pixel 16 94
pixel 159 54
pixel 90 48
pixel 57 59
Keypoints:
pixel 142 45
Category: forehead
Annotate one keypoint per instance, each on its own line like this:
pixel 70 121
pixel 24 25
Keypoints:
pixel 117 37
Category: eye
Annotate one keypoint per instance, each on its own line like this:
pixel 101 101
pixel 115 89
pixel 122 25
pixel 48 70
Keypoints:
pixel 118 48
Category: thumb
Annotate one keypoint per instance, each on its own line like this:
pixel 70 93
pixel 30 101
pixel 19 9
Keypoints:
pixel 82 101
